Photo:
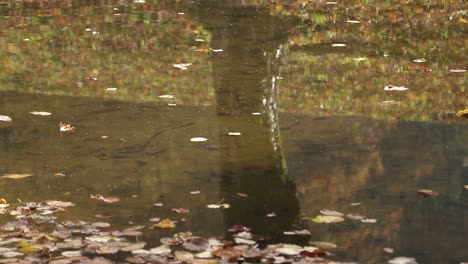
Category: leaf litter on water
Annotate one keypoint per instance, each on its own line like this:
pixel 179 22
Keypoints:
pixel 198 139
pixel 5 118
pixel 327 219
pixel 40 113
pixel 16 175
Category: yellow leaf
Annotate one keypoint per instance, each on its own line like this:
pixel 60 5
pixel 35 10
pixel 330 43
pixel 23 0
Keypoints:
pixel 463 113
pixel 165 224
pixel 3 201
pixel 327 219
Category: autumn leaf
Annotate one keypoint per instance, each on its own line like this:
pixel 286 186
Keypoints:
pixel 425 192
pixel 463 113
pixel 180 210
pixel 5 118
pixel 165 224
pixel 16 176
pixel 327 219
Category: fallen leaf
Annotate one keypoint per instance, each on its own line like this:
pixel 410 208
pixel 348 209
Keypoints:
pixel 463 113
pixel 3 201
pixel 395 88
pixel 111 89
pixel 426 192
pixel 196 244
pixel 331 213
pixel 242 194
pixel 419 60
pixel 59 203
pixel 369 220
pixel 338 45
pixel 182 66
pixel 180 210
pixel 198 139
pixel 316 253
pixel 66 127
pixel 458 70
pixel 167 96
pixel 110 199
pixel 163 249
pixel 195 192
pixel 388 250
pixel 16 176
pixel 238 228
pixel 327 219
pixel 402 260
pixel 272 214
pixel 40 113
pixel 234 133
pixel 134 246
pixel 183 256
pixel 323 244
pixel 5 118
pixel 165 224
pixel 229 253
pixel 59 174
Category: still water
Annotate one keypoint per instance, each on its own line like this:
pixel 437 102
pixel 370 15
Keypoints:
pixel 302 83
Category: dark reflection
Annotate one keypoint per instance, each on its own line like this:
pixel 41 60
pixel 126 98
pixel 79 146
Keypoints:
pixel 245 77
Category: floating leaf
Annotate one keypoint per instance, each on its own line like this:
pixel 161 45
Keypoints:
pixel 110 199
pixel 182 66
pixel 66 127
pixel 402 260
pixel 183 256
pixel 16 176
pixel 355 217
pixel 242 194
pixel 419 60
pixel 5 118
pixel 458 70
pixel 323 244
pixel 198 139
pixel 272 214
pixel 426 192
pixel 40 113
pixel 229 253
pixel 167 96
pixel 316 253
pixel 395 88
pixel 388 250
pixel 338 45
pixel 180 210
pixel 3 201
pixel 59 203
pixel 163 249
pixel 238 228
pixel 463 112
pixel 111 89
pixel 165 224
pixel 369 220
pixel 195 192
pixel 331 213
pixel 196 244
pixel 234 133
pixel 327 219
pixel 134 246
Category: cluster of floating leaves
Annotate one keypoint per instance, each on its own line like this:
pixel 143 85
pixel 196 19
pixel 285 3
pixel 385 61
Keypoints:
pixel 36 236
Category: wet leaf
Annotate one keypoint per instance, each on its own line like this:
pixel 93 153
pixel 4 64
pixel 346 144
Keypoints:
pixel 331 213
pixel 183 256
pixel 104 215
pixel 369 220
pixel 272 214
pixel 180 210
pixel 426 192
pixel 5 118
pixel 167 96
pixel 327 219
pixel 182 66
pixel 229 253
pixel 196 244
pixel 60 203
pixel 242 194
pixel 388 250
pixel 195 192
pixel 355 217
pixel 66 127
pixel 338 45
pixel 107 250
pixel 323 244
pixel 25 247
pixel 163 249
pixel 234 133
pixel 165 224
pixel 3 201
pixel 109 199
pixel 16 176
pixel 316 253
pixel 458 70
pixel 170 241
pixel 402 260
pixel 422 60
pixel 240 240
pixel 395 88
pixel 40 113
pixel 463 113
pixel 238 228
pixel 101 224
pixel 75 253
pixel 198 139
pixel 133 247
pixel 288 250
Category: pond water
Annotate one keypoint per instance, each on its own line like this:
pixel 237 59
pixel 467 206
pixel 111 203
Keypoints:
pixel 302 83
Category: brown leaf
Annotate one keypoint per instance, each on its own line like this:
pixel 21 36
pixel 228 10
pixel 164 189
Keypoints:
pixel 16 176
pixel 164 224
pixel 180 210
pixel 229 253
pixel 316 253
pixel 426 192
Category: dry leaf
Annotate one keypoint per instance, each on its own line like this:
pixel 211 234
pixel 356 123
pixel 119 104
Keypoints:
pixel 165 224
pixel 426 192
pixel 180 210
pixel 327 219
pixel 5 118
pixel 16 176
